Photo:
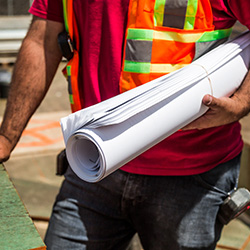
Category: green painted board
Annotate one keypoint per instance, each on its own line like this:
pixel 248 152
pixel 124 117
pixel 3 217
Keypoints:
pixel 17 231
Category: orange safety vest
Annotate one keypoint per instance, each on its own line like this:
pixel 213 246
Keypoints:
pixel 72 68
pixel 161 36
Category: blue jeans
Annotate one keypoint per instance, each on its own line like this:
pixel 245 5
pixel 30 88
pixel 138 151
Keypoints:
pixel 167 212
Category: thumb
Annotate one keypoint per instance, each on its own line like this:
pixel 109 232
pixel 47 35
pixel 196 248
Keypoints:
pixel 210 101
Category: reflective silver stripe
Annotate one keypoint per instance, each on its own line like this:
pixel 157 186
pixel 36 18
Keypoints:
pixel 203 47
pixel 175 13
pixel 138 50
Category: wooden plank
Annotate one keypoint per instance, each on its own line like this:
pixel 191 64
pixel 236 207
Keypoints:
pixel 17 229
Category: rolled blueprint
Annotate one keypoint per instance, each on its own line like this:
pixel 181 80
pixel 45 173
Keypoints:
pixel 102 138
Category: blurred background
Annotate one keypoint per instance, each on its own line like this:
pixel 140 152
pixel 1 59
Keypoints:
pixel 32 165
pixel 11 7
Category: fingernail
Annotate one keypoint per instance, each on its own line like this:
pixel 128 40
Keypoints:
pixel 209 99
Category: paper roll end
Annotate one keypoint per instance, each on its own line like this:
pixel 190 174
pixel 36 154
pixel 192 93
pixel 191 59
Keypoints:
pixel 84 158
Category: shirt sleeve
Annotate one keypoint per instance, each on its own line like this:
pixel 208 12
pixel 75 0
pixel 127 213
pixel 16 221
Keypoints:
pixel 48 9
pixel 241 11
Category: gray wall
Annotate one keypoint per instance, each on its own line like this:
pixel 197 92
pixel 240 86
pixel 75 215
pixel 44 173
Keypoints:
pixel 14 7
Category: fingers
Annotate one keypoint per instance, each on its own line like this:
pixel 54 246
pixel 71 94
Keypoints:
pixel 5 149
pixel 199 123
pixel 219 113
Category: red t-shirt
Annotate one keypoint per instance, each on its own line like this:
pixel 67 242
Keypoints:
pixel 101 26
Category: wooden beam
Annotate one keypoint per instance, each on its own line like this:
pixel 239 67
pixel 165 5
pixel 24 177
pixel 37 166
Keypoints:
pixel 17 229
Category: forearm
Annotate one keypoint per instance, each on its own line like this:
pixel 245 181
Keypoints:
pixel 35 67
pixel 242 95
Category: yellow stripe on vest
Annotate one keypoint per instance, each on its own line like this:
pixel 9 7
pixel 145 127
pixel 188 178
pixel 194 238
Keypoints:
pixel 177 37
pixel 165 68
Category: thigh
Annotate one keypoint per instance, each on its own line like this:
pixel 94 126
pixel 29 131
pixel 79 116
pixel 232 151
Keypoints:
pixel 88 216
pixel 181 212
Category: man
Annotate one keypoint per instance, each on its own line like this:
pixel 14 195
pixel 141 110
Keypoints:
pixel 171 194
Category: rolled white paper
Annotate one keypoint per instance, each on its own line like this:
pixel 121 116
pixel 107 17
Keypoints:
pixel 102 138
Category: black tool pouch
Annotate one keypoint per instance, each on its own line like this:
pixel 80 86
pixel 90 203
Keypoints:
pixel 61 163
pixel 66 45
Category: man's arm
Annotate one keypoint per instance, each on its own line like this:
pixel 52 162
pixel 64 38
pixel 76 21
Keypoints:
pixel 34 70
pixel 224 110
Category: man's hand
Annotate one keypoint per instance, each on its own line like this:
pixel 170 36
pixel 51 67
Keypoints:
pixel 221 111
pixel 224 110
pixel 5 148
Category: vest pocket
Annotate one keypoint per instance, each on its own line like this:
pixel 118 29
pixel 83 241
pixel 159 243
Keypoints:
pixel 173 13
pixel 181 14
